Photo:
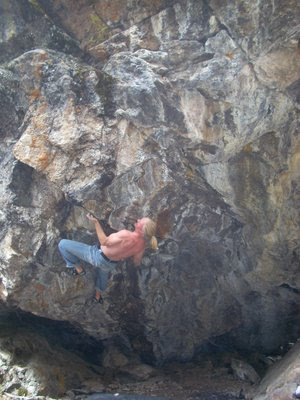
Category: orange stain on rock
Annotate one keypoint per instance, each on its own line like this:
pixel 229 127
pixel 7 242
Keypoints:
pixel 111 10
pixel 43 160
pixel 230 55
pixel 35 94
pixel 39 287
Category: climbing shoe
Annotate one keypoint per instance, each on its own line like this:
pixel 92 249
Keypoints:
pixel 74 272
pixel 100 300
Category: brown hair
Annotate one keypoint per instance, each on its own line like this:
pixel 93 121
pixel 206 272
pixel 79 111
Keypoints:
pixel 149 233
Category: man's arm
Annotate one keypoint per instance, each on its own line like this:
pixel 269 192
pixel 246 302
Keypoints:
pixel 100 233
pixel 137 258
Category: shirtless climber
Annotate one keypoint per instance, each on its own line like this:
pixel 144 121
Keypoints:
pixel 113 248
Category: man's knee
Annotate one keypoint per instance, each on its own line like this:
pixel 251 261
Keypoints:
pixel 63 244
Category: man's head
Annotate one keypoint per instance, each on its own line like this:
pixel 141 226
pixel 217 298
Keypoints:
pixel 148 228
pixel 141 223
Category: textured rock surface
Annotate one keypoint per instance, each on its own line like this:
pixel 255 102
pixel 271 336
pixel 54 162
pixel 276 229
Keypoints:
pixel 25 26
pixel 34 365
pixel 185 111
pixel 44 360
pixel 282 379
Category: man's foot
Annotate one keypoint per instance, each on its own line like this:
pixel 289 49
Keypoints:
pixel 98 297
pixel 77 271
pixel 99 300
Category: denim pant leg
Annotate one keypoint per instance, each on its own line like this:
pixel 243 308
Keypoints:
pixel 102 279
pixel 73 252
pixel 104 268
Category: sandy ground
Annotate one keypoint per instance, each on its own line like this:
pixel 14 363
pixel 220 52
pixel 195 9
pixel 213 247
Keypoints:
pixel 186 382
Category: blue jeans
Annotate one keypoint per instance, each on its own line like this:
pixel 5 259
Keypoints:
pixel 73 252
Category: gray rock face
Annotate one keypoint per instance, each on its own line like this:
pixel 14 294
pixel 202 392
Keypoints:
pixel 184 111
pixel 282 379
pixel 106 396
pixel 25 26
pixel 244 371
pixel 32 365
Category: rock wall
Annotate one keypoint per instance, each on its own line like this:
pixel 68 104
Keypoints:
pixel 281 381
pixel 184 111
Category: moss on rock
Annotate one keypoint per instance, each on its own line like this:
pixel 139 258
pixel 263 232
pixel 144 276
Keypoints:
pixel 104 88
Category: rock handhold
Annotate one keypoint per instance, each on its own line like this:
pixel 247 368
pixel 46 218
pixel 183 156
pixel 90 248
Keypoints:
pixel 242 370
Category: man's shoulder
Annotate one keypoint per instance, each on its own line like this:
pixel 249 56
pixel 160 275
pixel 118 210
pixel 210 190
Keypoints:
pixel 124 233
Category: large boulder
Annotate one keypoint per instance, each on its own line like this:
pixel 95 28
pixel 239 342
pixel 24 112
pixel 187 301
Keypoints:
pixel 282 379
pixel 186 122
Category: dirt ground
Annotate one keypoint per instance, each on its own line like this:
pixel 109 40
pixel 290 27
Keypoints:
pixel 187 382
